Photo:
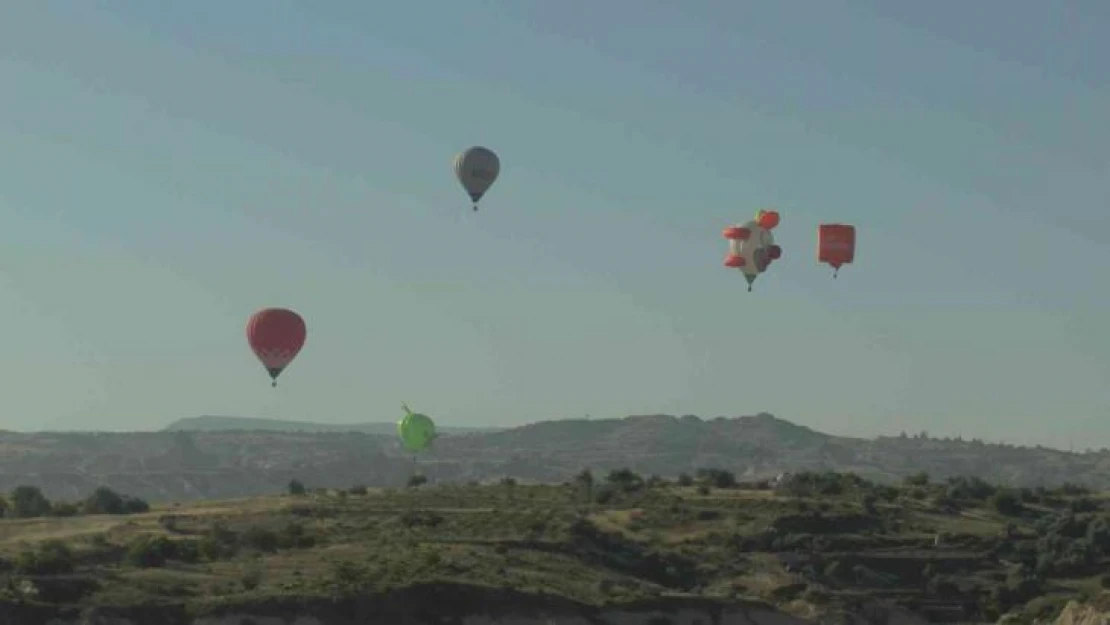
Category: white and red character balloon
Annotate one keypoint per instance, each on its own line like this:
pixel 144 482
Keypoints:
pixel 751 246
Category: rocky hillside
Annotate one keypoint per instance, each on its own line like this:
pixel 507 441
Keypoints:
pixel 189 465
pixel 612 549
pixel 469 606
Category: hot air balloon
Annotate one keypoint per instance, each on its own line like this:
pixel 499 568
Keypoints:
pixel 752 247
pixel 477 169
pixel 276 336
pixel 836 245
pixel 417 431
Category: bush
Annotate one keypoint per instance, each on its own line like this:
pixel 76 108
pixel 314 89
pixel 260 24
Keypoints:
pixel 251 578
pixel 829 483
pixel 259 539
pixel 942 587
pixel 51 557
pixel 293 536
pixel 717 478
pixel 218 543
pixel 1083 504
pixel 187 551
pixel 1098 533
pixel 1070 489
pixel 917 479
pixel 970 488
pixel 625 480
pixel 65 509
pixel 150 552
pixel 1007 503
pixel 605 494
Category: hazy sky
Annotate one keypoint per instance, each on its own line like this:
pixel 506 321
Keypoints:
pixel 166 168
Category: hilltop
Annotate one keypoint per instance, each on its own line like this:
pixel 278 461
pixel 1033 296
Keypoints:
pixel 213 423
pixel 816 545
pixel 185 465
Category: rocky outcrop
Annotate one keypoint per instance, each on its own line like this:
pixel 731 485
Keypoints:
pixel 1097 612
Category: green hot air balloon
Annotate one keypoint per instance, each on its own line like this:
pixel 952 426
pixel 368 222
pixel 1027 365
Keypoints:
pixel 417 431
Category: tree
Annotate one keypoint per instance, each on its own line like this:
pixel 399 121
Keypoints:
pixel 296 488
pixel 585 481
pixel 717 478
pixel 134 505
pixel 107 501
pixel 103 501
pixel 625 480
pixel 28 502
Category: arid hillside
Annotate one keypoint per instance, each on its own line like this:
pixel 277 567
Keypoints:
pixel 612 549
pixel 184 465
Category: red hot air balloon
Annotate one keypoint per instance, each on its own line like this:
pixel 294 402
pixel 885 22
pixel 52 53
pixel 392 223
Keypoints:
pixel 276 335
pixel 836 245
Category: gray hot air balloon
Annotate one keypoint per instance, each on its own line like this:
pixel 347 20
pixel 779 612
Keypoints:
pixel 477 169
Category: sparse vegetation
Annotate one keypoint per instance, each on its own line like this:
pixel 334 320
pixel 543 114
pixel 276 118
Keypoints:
pixel 28 502
pixel 821 539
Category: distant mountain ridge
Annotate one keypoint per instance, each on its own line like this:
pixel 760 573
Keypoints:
pixel 218 423
pixel 222 457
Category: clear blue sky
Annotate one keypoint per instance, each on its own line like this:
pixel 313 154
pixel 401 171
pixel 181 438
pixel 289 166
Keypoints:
pixel 167 168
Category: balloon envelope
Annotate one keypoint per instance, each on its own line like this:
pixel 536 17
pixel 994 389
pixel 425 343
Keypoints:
pixel 836 244
pixel 276 336
pixel 767 219
pixel 751 249
pixel 417 431
pixel 477 169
